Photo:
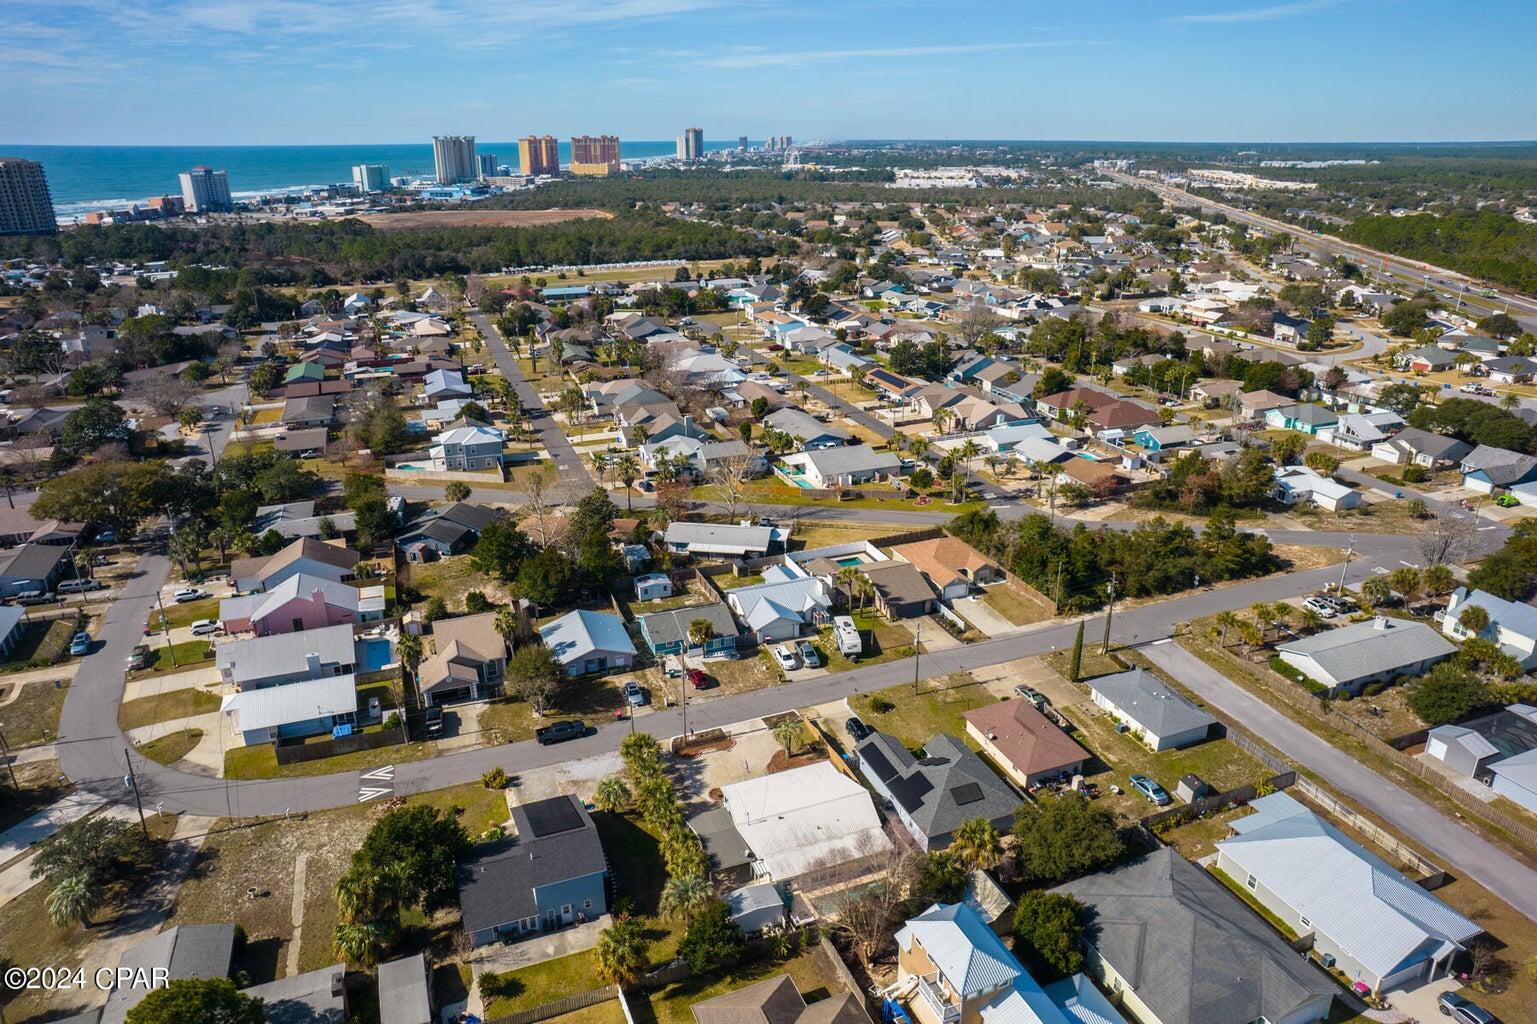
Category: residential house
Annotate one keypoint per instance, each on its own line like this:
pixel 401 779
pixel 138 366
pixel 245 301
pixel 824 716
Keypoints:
pixel 808 430
pixel 1412 446
pixel 1295 484
pixel 787 602
pixel 444 384
pixel 298 603
pixel 1486 469
pixel 12 618
pixel 1062 405
pixel 1156 714
pixel 900 589
pixel 551 873
pixel 19 526
pixel 953 969
pixel 668 632
pixel 1472 747
pixel 588 643
pixel 317 559
pixel 1366 920
pixel 469 663
pixel 467 448
pixel 1429 359
pixel 313 707
pixel 308 442
pixel 296 520
pixel 1253 405
pixel 1099 475
pixel 261 662
pixel 934 794
pixel 776 1001
pixel 446 531
pixel 304 373
pixel 653 586
pixel 314 412
pixel 1359 432
pixel 1174 946
pixel 180 953
pixel 952 566
pixel 1510 370
pixel 722 540
pixel 847 466
pixel 1212 393
pixel 1121 416
pixel 1024 743
pixel 1512 624
pixel 1158 439
pixel 808 818
pixel 1307 419
pixel 1380 649
pixel 33 568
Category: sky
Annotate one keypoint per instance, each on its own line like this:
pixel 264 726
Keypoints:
pixel 273 72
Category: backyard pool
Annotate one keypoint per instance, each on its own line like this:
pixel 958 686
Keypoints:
pixel 374 654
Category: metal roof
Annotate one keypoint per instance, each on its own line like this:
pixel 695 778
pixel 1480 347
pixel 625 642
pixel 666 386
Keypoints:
pixel 274 706
pixel 963 947
pixel 720 539
pixel 1368 648
pixel 807 817
pixel 286 654
pixel 1368 909
pixel 577 634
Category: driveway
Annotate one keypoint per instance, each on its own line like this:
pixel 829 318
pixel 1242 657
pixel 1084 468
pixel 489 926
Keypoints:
pixel 977 612
pixel 1480 860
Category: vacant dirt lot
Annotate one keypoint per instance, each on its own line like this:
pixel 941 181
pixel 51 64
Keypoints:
pixel 480 218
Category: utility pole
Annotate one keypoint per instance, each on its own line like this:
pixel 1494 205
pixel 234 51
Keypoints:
pixel 5 752
pixel 1109 614
pixel 917 654
pixel 1348 552
pixel 133 784
pixel 165 624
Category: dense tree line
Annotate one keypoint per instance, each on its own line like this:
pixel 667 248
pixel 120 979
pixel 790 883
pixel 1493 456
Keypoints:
pixel 1075 567
pixel 1484 244
pixel 1477 423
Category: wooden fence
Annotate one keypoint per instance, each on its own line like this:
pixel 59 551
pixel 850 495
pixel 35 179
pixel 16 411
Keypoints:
pixel 297 753
pixel 556 1007
pixel 1219 801
pixel 1431 875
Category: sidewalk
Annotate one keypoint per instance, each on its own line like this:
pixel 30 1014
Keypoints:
pixel 22 836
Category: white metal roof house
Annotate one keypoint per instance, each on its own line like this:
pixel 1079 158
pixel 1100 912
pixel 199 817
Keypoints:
pixel 1294 484
pixel 723 539
pixel 1377 650
pixel 310 708
pixel 587 642
pixel 1160 717
pixel 788 600
pixel 805 818
pixel 1512 624
pixel 1367 920
pixel 845 466
pixel 258 662
pixel 1516 778
pixel 1360 431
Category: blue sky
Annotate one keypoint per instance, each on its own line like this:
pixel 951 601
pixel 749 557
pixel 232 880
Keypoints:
pixel 174 72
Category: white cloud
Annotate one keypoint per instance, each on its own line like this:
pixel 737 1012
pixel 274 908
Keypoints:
pixel 758 58
pixel 1274 12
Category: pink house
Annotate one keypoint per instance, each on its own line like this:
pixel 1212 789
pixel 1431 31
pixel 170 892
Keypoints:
pixel 298 603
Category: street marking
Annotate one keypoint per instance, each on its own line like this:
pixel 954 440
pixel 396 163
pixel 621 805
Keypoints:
pixel 1409 564
pixel 366 794
pixel 385 775
pixel 1380 569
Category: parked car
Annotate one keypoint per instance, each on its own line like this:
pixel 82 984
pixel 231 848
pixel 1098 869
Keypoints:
pixel 80 586
pixel 784 654
pixel 203 627
pixel 857 729
pixel 33 597
pixel 633 694
pixel 80 643
pixel 698 680
pixel 1462 1009
pixel 1507 501
pixel 559 732
pixel 186 594
pixel 432 720
pixel 810 656
pixel 140 657
pixel 1324 606
pixel 1032 695
pixel 1150 789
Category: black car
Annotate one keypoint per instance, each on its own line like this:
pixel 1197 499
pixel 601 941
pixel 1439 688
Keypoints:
pixel 559 732
pixel 432 720
pixel 857 729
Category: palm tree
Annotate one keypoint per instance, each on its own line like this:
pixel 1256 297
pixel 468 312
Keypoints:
pixel 410 648
pixel 787 733
pixel 72 900
pixel 967 452
pixel 1251 636
pixel 507 624
pixel 1438 579
pixel 1264 617
pixel 620 955
pixel 1405 581
pixel 362 897
pixel 941 420
pixel 1308 620
pixel 1473 618
pixel 361 942
pixel 864 587
pixel 654 798
pixel 186 547
pixel 1226 621
pixel 847 577
pixel 628 471
pixel 976 845
pixel 611 795
pixel 1510 403
pixel 1376 589
pixel 685 897
pixel 700 632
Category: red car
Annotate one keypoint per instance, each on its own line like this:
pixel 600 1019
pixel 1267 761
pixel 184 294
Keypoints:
pixel 699 680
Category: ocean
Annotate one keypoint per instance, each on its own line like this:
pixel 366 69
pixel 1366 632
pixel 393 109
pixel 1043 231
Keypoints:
pixel 87 178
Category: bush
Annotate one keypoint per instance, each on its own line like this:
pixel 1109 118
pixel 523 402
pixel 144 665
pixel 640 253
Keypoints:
pixel 475 602
pixel 1065 838
pixel 1048 933
pixel 393 720
pixel 1414 474
pixel 1447 693
pixel 496 778
pixel 880 705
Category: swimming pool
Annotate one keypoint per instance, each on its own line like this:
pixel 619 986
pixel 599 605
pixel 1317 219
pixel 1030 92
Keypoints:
pixel 850 562
pixel 374 653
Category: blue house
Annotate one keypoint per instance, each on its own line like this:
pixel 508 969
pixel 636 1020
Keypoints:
pixel 1307 419
pixel 551 875
pixel 668 632
pixel 587 642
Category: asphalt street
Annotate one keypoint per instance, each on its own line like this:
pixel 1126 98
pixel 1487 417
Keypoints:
pixel 1480 860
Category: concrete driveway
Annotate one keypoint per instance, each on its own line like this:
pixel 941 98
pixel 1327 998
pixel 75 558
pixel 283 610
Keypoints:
pixel 977 612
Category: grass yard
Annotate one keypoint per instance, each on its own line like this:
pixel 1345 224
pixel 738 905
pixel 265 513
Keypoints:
pixel 594 700
pixel 178 615
pixel 884 641
pixel 265 417
pixel 260 761
pixel 937 707
pixel 33 632
pixel 451 579
pixel 1092 663
pixel 187 654
pixel 40 783
pixel 814 977
pixel 1199 838
pixel 530 986
pixel 171 747
pixel 166 707
pixel 32 718
pixel 607 1012
pixel 740 675
pixel 1014 605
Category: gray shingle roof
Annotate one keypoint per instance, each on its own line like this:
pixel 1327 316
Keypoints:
pixel 186 951
pixel 498 887
pixel 947 786
pixel 1368 648
pixel 671 626
pixel 403 994
pixel 1145 698
pixel 1190 950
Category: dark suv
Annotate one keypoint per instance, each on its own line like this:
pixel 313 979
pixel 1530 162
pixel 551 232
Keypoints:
pixel 559 732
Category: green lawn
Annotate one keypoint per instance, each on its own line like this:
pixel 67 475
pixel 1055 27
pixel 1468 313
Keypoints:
pixel 26 647
pixel 1013 605
pixel 936 708
pixel 188 654
pixel 178 615
pixel 530 986
pixel 171 747
pixel 673 1004
pixel 260 761
pixel 166 707
pixel 32 719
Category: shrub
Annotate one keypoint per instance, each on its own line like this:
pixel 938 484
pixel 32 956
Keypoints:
pixel 1414 474
pixel 1447 693
pixel 393 720
pixel 880 705
pixel 496 778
